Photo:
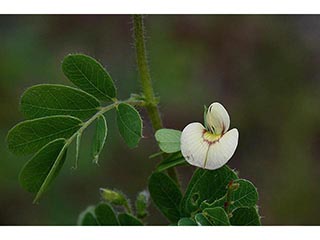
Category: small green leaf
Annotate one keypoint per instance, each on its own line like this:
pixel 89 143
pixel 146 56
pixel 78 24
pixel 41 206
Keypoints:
pixel 129 124
pixel 99 138
pixel 105 215
pixel 126 219
pixel 89 75
pixel 245 195
pixel 142 202
pixel 201 220
pixel 52 99
pixel 206 185
pixel 87 217
pixel 89 220
pixel 43 167
pixel 186 222
pixel 169 140
pixel 212 217
pixel 173 160
pixel 166 195
pixel 216 216
pixel 245 217
pixel 31 135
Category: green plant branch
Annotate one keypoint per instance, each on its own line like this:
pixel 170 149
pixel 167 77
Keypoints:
pixel 151 103
pixel 146 84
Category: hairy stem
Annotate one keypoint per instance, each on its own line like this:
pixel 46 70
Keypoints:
pixel 145 79
pixel 146 84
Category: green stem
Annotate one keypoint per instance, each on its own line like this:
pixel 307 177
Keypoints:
pixel 146 84
pixel 145 79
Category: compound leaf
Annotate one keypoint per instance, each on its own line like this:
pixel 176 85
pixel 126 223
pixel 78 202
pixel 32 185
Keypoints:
pixel 129 124
pixel 89 75
pixel 53 99
pixel 31 135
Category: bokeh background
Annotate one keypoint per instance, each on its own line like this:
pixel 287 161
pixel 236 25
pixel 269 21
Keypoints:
pixel 264 69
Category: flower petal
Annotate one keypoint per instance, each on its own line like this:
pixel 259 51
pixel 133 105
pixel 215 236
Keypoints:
pixel 221 151
pixel 217 118
pixel 193 147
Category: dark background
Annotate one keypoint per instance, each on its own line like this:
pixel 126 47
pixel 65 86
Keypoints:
pixel 264 69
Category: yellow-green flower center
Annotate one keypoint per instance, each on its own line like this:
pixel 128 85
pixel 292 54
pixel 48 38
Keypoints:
pixel 210 137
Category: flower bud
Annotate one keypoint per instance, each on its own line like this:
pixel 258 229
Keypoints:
pixel 142 203
pixel 113 197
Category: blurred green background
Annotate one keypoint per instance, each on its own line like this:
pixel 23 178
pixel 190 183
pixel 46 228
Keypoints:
pixel 264 69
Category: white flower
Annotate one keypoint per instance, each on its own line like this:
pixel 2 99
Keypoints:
pixel 211 146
